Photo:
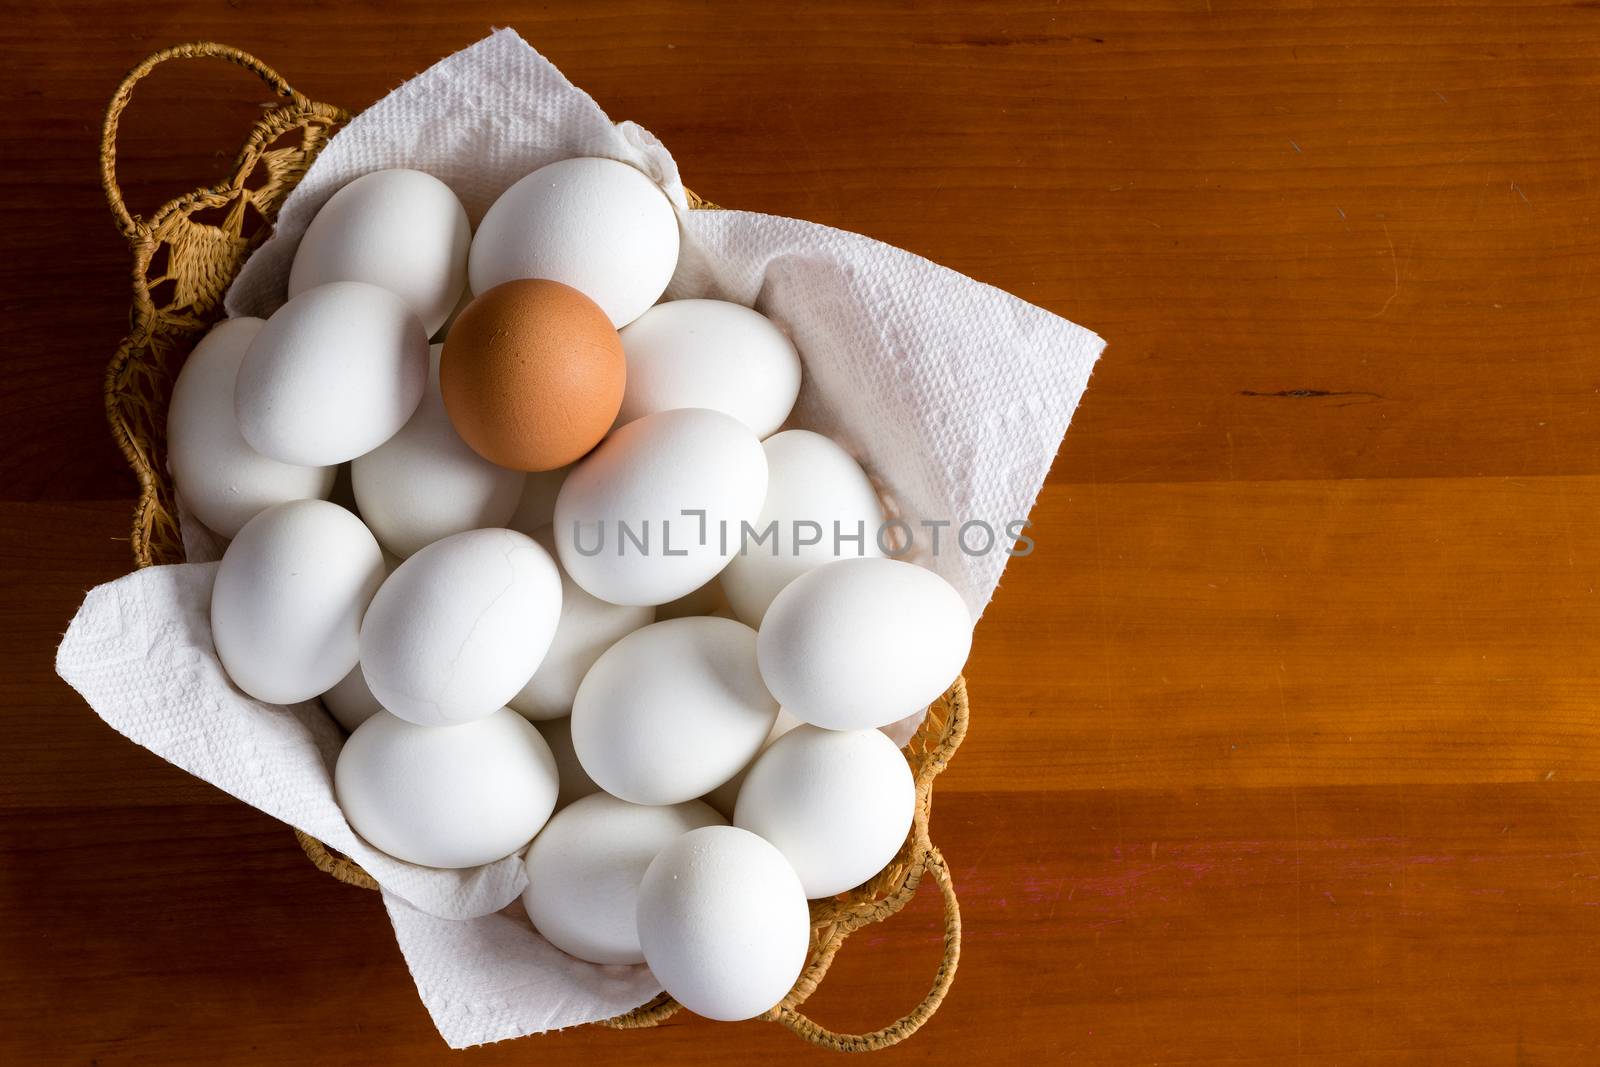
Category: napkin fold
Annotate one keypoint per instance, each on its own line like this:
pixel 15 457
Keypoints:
pixel 953 395
pixel 494 977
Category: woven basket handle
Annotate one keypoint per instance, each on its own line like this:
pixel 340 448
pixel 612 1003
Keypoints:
pixel 126 221
pixel 912 1021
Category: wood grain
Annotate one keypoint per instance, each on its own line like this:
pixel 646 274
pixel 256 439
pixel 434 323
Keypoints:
pixel 1283 745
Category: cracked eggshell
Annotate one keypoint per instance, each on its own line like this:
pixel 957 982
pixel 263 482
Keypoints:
pixel 401 230
pixel 861 643
pixel 223 481
pixel 710 354
pixel 810 479
pixel 598 225
pixel 837 804
pixel 453 797
pixel 333 374
pixel 723 922
pixel 587 627
pixel 585 867
pixel 425 483
pixel 645 476
pixel 673 710
pixel 460 627
pixel 288 599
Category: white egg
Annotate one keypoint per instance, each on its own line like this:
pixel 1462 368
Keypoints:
pixel 351 702
pixel 901 731
pixel 672 711
pixel 723 922
pixel 710 354
pixel 456 796
pixel 587 627
pixel 537 506
pixel 859 643
pixel 333 374
pixel 575 781
pixel 288 599
pixel 401 230
pixel 725 796
pixel 425 483
pixel 585 867
pixel 707 600
pixel 656 511
pixel 837 804
pixel 820 506
pixel 597 225
pixel 344 494
pixel 459 627
pixel 223 481
pixel 455 313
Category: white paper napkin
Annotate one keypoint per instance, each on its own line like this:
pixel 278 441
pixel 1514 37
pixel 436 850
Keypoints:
pixel 140 652
pixel 491 978
pixel 954 396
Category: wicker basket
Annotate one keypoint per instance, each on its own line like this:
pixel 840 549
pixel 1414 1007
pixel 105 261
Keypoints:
pixel 182 266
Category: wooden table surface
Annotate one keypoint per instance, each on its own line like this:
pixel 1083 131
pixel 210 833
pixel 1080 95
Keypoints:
pixel 1283 742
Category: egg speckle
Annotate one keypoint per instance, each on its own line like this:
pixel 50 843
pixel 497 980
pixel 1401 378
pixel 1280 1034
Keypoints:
pixel 723 922
pixel 585 867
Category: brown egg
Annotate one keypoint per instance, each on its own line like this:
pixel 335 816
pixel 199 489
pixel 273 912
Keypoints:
pixel 532 374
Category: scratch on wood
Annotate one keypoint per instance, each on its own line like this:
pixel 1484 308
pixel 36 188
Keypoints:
pixel 1395 265
pixel 972 40
pixel 1312 394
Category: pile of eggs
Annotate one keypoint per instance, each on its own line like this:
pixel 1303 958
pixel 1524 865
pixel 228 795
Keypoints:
pixel 682 737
